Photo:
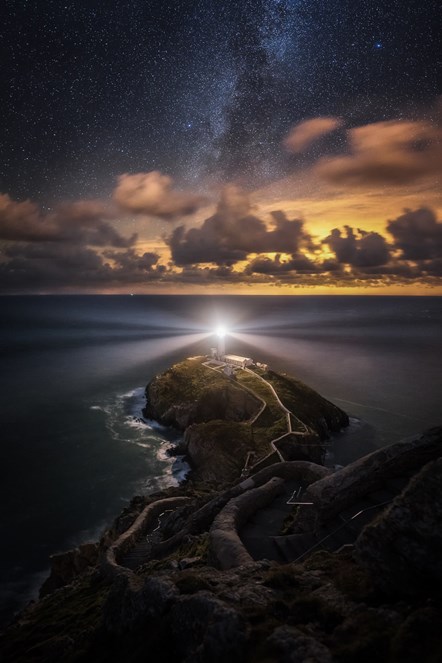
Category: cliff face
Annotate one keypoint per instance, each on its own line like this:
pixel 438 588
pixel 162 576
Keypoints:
pixel 402 549
pixel 378 599
pixel 227 419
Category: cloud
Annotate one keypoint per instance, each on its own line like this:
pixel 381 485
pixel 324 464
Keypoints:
pixel 81 222
pixel 417 234
pixel 306 133
pixel 23 221
pixel 47 265
pixel 128 266
pixel 151 193
pixel 298 263
pixel 41 265
pixel 393 152
pixel 358 248
pixel 232 233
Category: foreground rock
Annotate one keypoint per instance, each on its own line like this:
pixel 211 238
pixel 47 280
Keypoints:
pixel 379 601
pixel 324 610
pixel 334 493
pixel 402 549
pixel 65 567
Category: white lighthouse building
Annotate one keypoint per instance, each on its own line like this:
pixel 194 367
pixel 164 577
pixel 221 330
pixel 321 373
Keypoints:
pixel 221 333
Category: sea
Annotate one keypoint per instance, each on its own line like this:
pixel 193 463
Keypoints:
pixel 75 446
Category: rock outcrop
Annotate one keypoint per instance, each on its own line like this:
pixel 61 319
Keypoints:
pixel 336 492
pixel 324 610
pixel 402 548
pixel 65 567
pixel 376 601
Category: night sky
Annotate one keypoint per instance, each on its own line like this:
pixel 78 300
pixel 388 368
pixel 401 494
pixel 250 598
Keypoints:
pixel 255 146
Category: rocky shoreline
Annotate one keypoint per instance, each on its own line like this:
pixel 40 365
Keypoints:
pixel 286 561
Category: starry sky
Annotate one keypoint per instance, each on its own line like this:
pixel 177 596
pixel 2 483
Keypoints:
pixel 284 146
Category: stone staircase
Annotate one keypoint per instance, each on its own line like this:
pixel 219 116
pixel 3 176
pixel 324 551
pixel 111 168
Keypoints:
pixel 137 555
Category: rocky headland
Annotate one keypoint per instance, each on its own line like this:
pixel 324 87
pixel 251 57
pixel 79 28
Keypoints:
pixel 275 559
pixel 261 414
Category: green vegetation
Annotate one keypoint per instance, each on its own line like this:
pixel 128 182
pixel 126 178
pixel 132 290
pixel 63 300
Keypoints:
pixel 272 422
pixel 222 410
pixel 186 381
pixel 51 627
pixel 195 546
pixel 232 439
pixel 306 404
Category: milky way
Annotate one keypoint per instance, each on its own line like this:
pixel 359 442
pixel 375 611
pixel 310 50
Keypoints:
pixel 93 89
pixel 243 144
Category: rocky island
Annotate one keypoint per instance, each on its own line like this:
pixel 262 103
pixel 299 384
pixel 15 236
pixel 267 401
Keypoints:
pixel 251 413
pixel 263 554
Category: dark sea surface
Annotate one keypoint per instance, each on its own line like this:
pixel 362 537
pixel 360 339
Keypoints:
pixel 73 449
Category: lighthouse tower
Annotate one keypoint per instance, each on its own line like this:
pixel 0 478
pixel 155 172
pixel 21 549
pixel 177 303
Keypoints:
pixel 221 333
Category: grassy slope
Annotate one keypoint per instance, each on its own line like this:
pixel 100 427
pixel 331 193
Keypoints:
pixel 185 382
pixel 305 403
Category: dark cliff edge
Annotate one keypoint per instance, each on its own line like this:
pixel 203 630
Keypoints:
pixel 206 588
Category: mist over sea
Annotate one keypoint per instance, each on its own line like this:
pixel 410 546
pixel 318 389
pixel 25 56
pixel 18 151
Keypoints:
pixel 73 446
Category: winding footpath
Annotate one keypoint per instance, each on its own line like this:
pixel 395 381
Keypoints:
pixel 288 414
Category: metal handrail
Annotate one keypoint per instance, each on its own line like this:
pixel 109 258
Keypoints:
pixel 359 513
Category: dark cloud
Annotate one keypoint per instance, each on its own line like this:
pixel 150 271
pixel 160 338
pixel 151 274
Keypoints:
pixel 394 152
pixel 232 233
pixel 433 267
pixel 418 234
pixel 298 263
pixel 41 265
pixel 394 268
pixel 22 221
pixel 358 248
pixel 152 193
pixel 307 132
pixel 130 259
pixel 82 222
pixel 38 266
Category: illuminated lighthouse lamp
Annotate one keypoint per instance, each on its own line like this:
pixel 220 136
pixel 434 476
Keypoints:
pixel 219 353
pixel 221 333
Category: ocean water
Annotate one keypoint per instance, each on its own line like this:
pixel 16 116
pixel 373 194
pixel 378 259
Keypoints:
pixel 74 447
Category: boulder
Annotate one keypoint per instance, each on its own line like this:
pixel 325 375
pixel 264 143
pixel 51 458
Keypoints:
pixel 65 567
pixel 339 490
pixel 402 548
pixel 133 601
pixel 294 646
pixel 206 630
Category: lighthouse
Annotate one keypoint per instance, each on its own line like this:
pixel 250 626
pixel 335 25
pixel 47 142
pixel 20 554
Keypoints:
pixel 221 333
